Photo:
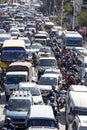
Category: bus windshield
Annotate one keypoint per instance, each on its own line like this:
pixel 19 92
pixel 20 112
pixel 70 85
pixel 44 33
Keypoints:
pixel 72 41
pixel 13 54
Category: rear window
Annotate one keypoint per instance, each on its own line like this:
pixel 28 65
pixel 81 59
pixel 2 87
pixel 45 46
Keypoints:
pixel 41 122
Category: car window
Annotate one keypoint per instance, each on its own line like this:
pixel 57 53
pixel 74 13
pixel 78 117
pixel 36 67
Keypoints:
pixel 34 91
pixel 47 81
pixel 19 105
pixel 42 122
pixel 47 62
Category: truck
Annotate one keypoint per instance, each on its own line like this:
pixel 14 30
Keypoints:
pixel 17 72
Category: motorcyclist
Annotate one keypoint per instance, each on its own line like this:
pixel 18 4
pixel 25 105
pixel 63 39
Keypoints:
pixel 8 124
pixel 51 93
pixel 53 104
pixel 34 59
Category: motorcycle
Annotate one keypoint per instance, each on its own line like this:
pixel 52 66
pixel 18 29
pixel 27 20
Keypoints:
pixel 62 98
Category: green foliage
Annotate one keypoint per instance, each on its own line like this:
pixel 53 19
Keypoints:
pixel 68 8
pixel 82 18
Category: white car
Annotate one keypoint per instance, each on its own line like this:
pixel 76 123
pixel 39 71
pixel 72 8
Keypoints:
pixel 27 42
pixel 35 91
pixel 49 79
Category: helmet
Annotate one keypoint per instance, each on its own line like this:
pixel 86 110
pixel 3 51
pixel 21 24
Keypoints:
pixel 52 98
pixel 82 82
pixel 8 120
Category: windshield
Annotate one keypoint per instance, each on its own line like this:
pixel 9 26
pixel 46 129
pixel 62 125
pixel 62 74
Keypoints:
pixel 73 41
pixel 46 50
pixel 42 122
pixel 47 81
pixel 31 26
pixel 15 79
pixel 36 46
pixel 34 91
pixel 19 105
pixel 48 62
pixel 10 55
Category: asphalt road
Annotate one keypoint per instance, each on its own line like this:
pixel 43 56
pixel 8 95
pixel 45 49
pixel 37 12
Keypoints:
pixel 2 115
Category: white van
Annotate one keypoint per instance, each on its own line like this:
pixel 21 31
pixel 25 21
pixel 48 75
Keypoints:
pixel 76 105
pixel 41 118
pixel 82 57
pixel 17 72
pixel 78 88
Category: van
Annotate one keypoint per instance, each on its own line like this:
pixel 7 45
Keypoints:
pixel 76 105
pixel 82 57
pixel 17 72
pixel 78 88
pixel 41 117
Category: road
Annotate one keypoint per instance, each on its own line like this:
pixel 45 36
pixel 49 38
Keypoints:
pixel 2 115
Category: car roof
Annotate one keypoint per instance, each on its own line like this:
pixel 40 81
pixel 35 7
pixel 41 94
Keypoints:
pixel 45 87
pixel 27 84
pixel 51 70
pixel 21 95
pixel 17 73
pixel 50 75
pixel 78 88
pixel 41 111
pixel 78 99
pixel 47 58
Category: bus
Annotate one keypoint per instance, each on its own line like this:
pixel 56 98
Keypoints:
pixel 48 26
pixel 12 50
pixel 72 39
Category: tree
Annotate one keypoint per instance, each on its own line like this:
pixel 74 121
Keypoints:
pixel 82 18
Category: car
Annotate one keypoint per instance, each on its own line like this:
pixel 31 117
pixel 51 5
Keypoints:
pixel 15 35
pixel 41 118
pixel 31 26
pixel 45 51
pixel 36 46
pixel 34 89
pixel 49 79
pixel 46 63
pixel 2 31
pixel 18 108
pixel 21 27
pixel 53 71
pixel 27 41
